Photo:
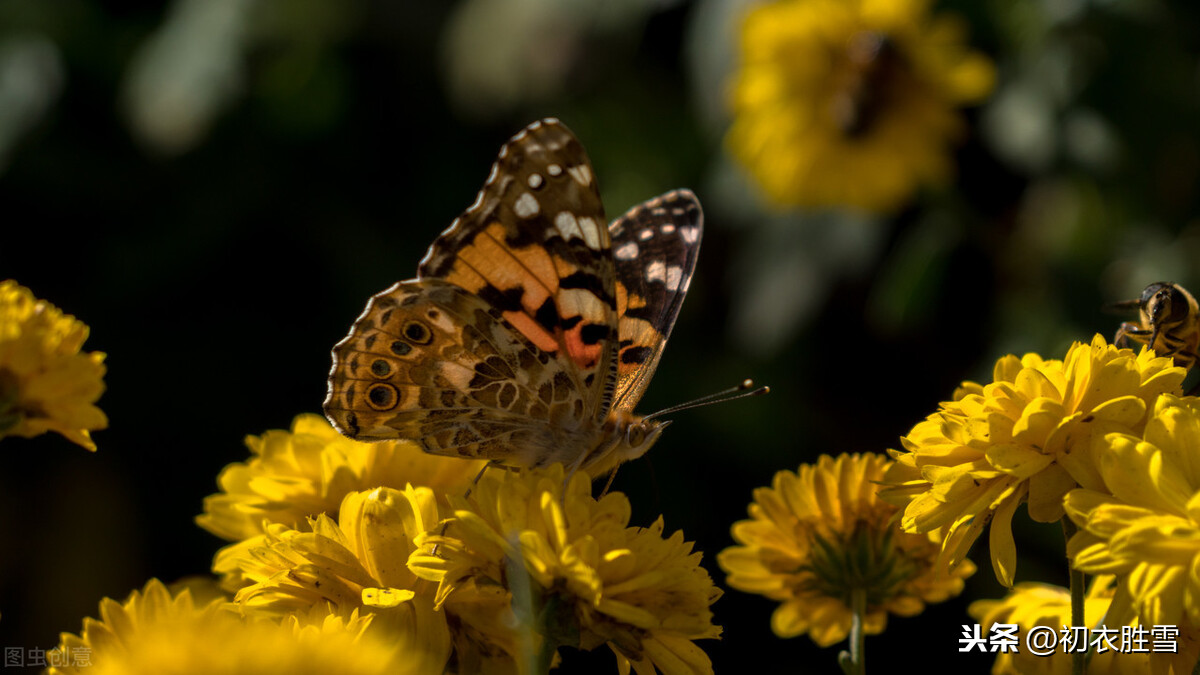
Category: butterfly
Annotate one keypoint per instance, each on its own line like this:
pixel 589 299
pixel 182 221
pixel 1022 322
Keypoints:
pixel 532 329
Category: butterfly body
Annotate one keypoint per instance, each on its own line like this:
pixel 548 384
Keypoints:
pixel 532 328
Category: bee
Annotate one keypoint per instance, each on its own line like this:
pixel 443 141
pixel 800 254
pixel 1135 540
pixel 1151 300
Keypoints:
pixel 1169 323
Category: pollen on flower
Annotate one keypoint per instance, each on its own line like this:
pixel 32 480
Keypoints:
pixel 818 535
pixel 851 102
pixel 46 382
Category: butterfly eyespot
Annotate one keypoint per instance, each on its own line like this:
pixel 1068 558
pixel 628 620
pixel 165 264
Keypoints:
pixel 382 396
pixel 381 368
pixel 417 332
pixel 401 348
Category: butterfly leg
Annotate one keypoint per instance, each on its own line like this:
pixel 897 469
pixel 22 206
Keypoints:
pixel 569 475
pixel 608 483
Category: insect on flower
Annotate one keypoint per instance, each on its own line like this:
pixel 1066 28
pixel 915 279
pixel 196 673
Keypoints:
pixel 1169 323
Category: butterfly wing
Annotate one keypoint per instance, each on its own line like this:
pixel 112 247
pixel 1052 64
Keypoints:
pixel 430 361
pixel 534 245
pixel 655 245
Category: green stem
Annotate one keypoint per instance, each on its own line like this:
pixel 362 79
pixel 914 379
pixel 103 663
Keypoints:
pixel 1078 658
pixel 853 662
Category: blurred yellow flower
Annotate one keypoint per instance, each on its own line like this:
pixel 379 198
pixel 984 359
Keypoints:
pixel 300 473
pixel 1028 605
pixel 818 535
pixel 46 384
pixel 851 102
pixel 573 572
pixel 155 631
pixel 1026 437
pixel 356 563
pixel 1144 527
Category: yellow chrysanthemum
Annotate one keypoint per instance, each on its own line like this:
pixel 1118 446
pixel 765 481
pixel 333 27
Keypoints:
pixel 1028 605
pixel 155 631
pixel 1144 525
pixel 1026 437
pixel 297 474
pixel 46 384
pixel 575 573
pixel 356 563
pixel 819 535
pixel 851 102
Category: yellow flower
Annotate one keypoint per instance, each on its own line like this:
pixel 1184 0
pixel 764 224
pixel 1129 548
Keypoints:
pixel 355 564
pixel 818 535
pixel 574 573
pixel 851 102
pixel 155 631
pixel 306 471
pixel 46 384
pixel 1024 437
pixel 1144 525
pixel 1028 605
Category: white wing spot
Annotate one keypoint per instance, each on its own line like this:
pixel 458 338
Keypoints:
pixel 554 170
pixel 645 234
pixel 567 225
pixel 535 180
pixel 492 176
pixel 526 206
pixel 656 271
pixel 668 228
pixel 674 276
pixel 591 233
pixel 690 234
pixel 627 251
pixel 582 174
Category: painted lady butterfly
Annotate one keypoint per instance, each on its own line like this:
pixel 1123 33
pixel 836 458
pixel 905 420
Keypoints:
pixel 531 330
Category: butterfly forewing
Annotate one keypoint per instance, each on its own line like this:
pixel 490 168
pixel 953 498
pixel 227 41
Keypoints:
pixel 535 246
pixel 655 246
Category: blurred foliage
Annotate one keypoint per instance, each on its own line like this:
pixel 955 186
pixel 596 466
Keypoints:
pixel 217 186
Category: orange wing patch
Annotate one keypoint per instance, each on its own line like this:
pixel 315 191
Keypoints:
pixel 535 246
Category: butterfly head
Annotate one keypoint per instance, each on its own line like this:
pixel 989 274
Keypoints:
pixel 640 434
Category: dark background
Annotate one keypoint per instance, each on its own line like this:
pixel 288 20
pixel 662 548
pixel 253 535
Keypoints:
pixel 217 256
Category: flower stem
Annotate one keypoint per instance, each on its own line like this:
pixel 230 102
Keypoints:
pixel 853 662
pixel 1078 657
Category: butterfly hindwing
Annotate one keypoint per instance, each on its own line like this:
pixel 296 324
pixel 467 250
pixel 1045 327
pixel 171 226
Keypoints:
pixel 535 246
pixel 430 361
pixel 655 245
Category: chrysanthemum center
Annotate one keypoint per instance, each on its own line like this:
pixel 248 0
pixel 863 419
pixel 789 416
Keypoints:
pixel 867 77
pixel 866 560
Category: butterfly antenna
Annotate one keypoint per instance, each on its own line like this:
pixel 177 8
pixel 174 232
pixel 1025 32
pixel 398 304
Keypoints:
pixel 743 390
